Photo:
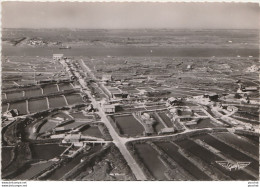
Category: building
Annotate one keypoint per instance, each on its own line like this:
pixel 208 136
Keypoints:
pixel 119 95
pixel 11 113
pixel 90 108
pixel 138 79
pixel 85 98
pixel 173 101
pixel 57 56
pixel 211 96
pixel 59 130
pixel 146 116
pixel 63 62
pixel 106 78
pixel 189 67
pixel 232 109
pixel 116 93
pixel 108 108
pixel 250 88
pixel 185 119
pixel 72 138
pixel 57 136
pixel 192 122
pixel 167 130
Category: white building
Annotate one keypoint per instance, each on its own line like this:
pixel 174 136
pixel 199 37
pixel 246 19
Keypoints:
pixel 71 138
pixel 109 108
pixel 106 78
pixel 57 56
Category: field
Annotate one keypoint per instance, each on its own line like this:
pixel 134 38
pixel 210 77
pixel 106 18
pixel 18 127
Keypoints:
pixel 61 115
pixel 188 156
pixel 232 152
pixel 32 93
pixel 60 172
pixel 189 167
pixel 73 125
pixel 34 170
pixel 38 105
pixel 57 101
pixel 46 151
pixel 166 119
pixel 4 108
pixel 92 131
pixel 158 125
pixel 49 125
pixel 80 115
pixel 74 99
pixel 65 86
pixel 14 95
pixel 6 155
pixel 23 70
pixel 52 88
pixel 128 125
pixel 151 160
pixel 107 165
pixel 239 141
pixel 20 106
pixel 203 123
pixel 151 66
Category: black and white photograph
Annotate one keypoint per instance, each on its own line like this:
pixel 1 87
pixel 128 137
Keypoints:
pixel 130 91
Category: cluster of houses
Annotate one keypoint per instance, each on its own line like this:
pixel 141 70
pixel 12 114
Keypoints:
pixel 65 62
pixel 36 42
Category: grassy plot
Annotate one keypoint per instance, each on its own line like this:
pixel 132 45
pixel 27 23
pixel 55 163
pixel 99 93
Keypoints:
pixel 65 86
pixel 172 151
pixel 74 99
pixel 49 125
pixel 20 106
pixel 128 125
pixel 33 93
pixel 46 151
pixel 38 105
pixel 52 88
pixel 210 159
pixel 34 170
pixel 6 155
pixel 166 119
pixel 60 172
pixel 57 101
pixel 14 95
pixel 150 159
pixel 203 123
pixel 92 131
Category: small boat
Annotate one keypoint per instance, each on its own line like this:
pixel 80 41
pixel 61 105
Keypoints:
pixel 65 47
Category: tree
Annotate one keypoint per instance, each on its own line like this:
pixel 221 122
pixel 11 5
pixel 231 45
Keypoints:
pixel 237 96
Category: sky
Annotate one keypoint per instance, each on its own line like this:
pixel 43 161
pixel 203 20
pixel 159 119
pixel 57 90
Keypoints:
pixel 89 15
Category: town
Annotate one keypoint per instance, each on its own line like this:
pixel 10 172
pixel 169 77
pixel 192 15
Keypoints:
pixel 129 118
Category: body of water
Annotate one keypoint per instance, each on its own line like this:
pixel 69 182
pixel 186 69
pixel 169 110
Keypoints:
pixel 131 51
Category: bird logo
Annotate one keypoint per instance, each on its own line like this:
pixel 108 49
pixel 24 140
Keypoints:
pixel 233 166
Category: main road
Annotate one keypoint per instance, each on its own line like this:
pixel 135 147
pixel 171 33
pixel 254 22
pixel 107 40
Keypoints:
pixel 118 141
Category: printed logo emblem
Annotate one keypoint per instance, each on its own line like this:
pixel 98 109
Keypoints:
pixel 233 166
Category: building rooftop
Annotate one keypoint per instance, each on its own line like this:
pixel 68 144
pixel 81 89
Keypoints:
pixel 108 106
pixel 58 54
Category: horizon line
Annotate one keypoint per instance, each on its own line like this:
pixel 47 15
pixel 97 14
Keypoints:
pixel 132 28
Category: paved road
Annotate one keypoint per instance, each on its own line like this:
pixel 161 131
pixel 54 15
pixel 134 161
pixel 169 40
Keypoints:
pixel 119 141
